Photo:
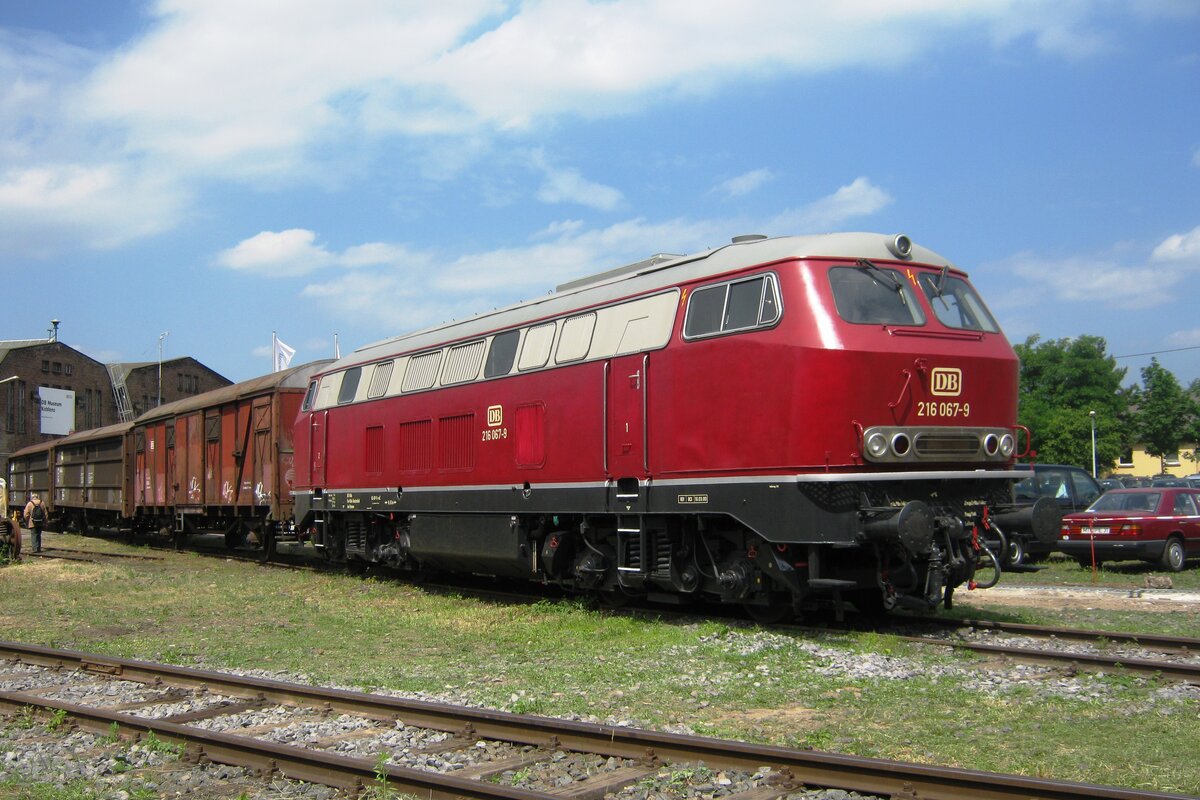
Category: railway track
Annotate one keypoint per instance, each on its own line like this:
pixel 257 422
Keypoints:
pixel 185 707
pixel 1175 658
pixel 1172 657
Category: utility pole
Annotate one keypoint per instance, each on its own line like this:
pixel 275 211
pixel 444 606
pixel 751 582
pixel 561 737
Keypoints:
pixel 161 336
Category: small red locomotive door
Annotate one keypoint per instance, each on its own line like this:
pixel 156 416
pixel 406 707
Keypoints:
pixel 316 448
pixel 625 427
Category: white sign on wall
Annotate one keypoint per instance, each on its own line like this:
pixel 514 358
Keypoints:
pixel 58 410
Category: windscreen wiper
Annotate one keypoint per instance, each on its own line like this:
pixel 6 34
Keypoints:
pixel 881 276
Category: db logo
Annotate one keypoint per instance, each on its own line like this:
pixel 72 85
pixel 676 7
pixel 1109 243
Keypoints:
pixel 947 382
pixel 495 416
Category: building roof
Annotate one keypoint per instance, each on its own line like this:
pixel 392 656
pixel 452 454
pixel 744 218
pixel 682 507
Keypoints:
pixel 18 344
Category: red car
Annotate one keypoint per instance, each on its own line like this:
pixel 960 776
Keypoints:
pixel 1159 525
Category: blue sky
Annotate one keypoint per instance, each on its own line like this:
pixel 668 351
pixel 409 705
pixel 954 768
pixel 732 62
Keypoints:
pixel 219 169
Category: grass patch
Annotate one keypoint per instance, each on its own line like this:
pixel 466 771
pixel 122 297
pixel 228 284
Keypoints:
pixel 565 658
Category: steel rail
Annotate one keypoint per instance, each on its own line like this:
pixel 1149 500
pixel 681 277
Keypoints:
pixel 299 763
pixel 1147 640
pixel 867 775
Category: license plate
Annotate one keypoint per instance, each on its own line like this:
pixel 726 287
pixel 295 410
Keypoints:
pixel 1095 531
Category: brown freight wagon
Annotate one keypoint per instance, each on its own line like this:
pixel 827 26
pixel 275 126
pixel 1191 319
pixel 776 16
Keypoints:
pixel 85 478
pixel 221 461
pixel 28 474
pixel 92 477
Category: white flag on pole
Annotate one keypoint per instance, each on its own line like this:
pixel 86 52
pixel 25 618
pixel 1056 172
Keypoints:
pixel 283 355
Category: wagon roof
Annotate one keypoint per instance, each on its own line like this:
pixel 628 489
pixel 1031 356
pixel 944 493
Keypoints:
pixel 291 378
pixel 658 272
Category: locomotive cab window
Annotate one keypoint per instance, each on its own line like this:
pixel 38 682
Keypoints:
pixel 501 354
pixel 955 303
pixel 349 387
pixel 736 306
pixel 868 294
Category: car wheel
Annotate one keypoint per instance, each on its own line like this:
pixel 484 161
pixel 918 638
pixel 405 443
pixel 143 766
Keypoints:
pixel 1016 554
pixel 1173 556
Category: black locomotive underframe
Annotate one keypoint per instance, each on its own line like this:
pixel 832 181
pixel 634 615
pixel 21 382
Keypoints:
pixel 753 541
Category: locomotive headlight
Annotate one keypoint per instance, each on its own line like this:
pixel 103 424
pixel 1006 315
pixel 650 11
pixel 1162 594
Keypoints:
pixel 991 444
pixel 1007 445
pixel 877 445
pixel 901 444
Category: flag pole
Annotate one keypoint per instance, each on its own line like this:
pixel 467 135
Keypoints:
pixel 274 349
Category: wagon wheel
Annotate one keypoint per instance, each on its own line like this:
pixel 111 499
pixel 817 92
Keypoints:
pixel 266 538
pixel 235 536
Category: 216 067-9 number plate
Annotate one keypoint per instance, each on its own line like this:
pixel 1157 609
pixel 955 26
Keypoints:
pixel 943 409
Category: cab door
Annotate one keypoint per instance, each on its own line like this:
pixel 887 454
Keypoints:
pixel 317 432
pixel 626 454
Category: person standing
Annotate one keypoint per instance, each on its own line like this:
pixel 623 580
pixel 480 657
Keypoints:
pixel 36 516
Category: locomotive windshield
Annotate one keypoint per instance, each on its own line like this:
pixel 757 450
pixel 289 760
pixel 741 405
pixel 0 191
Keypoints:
pixel 956 304
pixel 869 294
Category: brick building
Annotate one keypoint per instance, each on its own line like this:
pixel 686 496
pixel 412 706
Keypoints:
pixel 181 377
pixel 33 371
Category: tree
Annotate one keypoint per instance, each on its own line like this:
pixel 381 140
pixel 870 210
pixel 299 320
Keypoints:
pixel 1166 414
pixel 1061 382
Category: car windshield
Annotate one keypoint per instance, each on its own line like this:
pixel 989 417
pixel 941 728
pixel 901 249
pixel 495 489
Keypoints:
pixel 1126 501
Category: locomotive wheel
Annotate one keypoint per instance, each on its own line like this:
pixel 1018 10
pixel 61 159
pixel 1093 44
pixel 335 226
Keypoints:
pixel 772 614
pixel 614 598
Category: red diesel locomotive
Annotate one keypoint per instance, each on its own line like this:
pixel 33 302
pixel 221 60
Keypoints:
pixel 779 423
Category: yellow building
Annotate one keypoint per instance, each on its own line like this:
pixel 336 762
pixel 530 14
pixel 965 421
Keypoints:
pixel 1136 461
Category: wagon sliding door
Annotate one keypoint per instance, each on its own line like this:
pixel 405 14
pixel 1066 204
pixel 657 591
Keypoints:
pixel 264 452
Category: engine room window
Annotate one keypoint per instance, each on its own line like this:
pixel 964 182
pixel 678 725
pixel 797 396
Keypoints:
pixel 536 350
pixel 870 295
pixel 349 387
pixel 380 377
pixel 576 338
pixel 422 371
pixel 462 364
pixel 736 306
pixel 501 354
pixel 955 303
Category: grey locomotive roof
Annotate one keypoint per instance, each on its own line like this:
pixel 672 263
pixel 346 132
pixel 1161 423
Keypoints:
pixel 657 272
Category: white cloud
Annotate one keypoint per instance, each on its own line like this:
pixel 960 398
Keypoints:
pixel 101 206
pixel 568 186
pixel 1123 279
pixel 283 254
pixel 388 276
pixel 1188 338
pixel 267 94
pixel 1180 247
pixel 745 183
pixel 858 199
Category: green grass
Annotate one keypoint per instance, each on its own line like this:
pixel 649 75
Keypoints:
pixel 566 658
pixel 1058 570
